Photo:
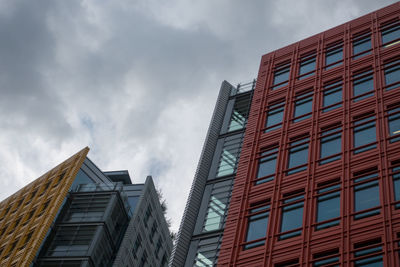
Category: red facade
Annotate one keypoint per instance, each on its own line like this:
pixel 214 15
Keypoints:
pixel 340 151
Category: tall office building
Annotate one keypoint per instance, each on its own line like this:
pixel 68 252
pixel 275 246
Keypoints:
pixel 318 180
pixel 77 215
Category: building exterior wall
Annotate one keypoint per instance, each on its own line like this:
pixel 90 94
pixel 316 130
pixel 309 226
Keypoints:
pixel 321 182
pixel 201 230
pixel 27 215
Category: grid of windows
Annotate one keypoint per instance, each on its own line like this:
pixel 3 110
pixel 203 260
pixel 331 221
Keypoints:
pixel 230 155
pixel 218 205
pixel 390 33
pixel 332 95
pixel 368 254
pixel 392 74
pixel 303 106
pixel 257 223
pixel 298 154
pixel 363 85
pixel 334 55
pixel 394 123
pixel 267 164
pixel 87 208
pixel 366 193
pixel 307 66
pixel 362 45
pixel 281 75
pixel 275 115
pixel 331 144
pixel 364 133
pixel 328 204
pixel 292 214
pixel 327 258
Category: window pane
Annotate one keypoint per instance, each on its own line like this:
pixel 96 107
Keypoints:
pixel 230 155
pixel 281 75
pixel 364 135
pixel 392 74
pixel 267 165
pixel 274 116
pixel 328 207
pixel 303 106
pixel 363 85
pixel 334 54
pixel 394 123
pixel 390 33
pixel 257 228
pixel 332 95
pixel 331 144
pixel 240 113
pixel 396 185
pixel 362 45
pixel 366 196
pixel 298 155
pixel 292 217
pixel 307 64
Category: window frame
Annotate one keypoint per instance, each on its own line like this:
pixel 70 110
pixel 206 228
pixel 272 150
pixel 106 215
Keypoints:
pixel 267 154
pixel 359 78
pixel 257 212
pixel 326 191
pixel 362 181
pixel 273 108
pixel 301 98
pixel 387 28
pixel 326 135
pixel 359 39
pixel 329 88
pixel 393 115
pixel 394 173
pixel 305 60
pixel 332 49
pixel 366 251
pixel 389 67
pixel 326 258
pixel 281 68
pixel 289 202
pixel 296 144
pixel 361 123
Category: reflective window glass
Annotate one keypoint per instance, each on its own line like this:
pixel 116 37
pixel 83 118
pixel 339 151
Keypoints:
pixel 230 155
pixel 298 155
pixel 274 116
pixel 396 185
pixel 366 194
pixel 257 225
pixel 391 33
pixel 267 165
pixel 303 106
pixel 307 66
pixel 392 74
pixel 328 258
pixel 332 98
pixel 240 113
pixel 394 124
pixel 331 144
pixel 292 215
pixel 281 75
pixel 364 249
pixel 363 85
pixel 364 133
pixel 362 45
pixel 328 204
pixel 334 55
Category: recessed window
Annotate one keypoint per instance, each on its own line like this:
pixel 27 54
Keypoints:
pixel 394 123
pixel 240 113
pixel 364 133
pixel 230 155
pixel 390 33
pixel 307 66
pixel 275 116
pixel 392 74
pixel 363 85
pixel 366 193
pixel 267 165
pixel 396 184
pixel 332 97
pixel 218 205
pixel 289 263
pixel 327 258
pixel 368 253
pixel 292 215
pixel 361 45
pixel 328 204
pixel 281 75
pixel 207 251
pixel 334 55
pixel 331 144
pixel 257 223
pixel 303 106
pixel 298 154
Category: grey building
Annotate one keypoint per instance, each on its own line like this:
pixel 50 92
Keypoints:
pixel 201 230
pixel 105 220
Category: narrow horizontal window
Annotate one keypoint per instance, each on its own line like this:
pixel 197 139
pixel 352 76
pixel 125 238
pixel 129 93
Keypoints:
pixel 327 258
pixel 368 254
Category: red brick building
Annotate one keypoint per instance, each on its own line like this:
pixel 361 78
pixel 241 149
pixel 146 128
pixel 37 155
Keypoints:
pixel 318 181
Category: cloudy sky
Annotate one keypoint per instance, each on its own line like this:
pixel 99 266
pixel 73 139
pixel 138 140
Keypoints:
pixel 135 80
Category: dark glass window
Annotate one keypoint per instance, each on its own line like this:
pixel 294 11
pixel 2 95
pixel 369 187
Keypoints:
pixel 334 55
pixel 366 193
pixel 207 251
pixel 274 116
pixel 307 66
pixel 267 165
pixel 364 133
pixel 328 258
pixel 289 263
pixel 292 215
pixel 328 204
pixel 132 202
pixel 390 33
pixel 303 106
pixel 396 185
pixel 281 75
pixel 81 178
pixel 363 85
pixel 372 248
pixel 298 155
pixel 361 45
pixel 331 144
pixel 240 113
pixel 257 225
pixel 392 74
pixel 332 98
pixel 86 208
pixel 394 124
pixel 218 205
pixel 230 155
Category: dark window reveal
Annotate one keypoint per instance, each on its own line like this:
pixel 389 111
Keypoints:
pixel 396 184
pixel 394 124
pixel 328 204
pixel 292 215
pixel 392 74
pixel 281 75
pixel 361 45
pixel 391 33
pixel 366 193
pixel 303 106
pixel 334 55
pixel 331 144
pixel 364 249
pixel 274 116
pixel 257 225
pixel 267 165
pixel 307 66
pixel 327 258
pixel 364 133
pixel 363 85
pixel 298 155
pixel 332 98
